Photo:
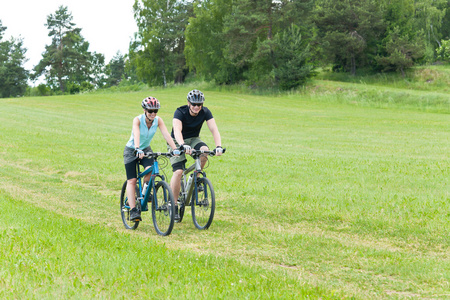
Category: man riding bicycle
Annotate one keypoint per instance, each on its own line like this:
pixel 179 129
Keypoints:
pixel 187 124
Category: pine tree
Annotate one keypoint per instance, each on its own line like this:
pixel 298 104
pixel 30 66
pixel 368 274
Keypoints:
pixel 67 63
pixel 13 75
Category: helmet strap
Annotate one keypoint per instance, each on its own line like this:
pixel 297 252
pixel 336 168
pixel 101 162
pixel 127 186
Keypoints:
pixel 148 118
pixel 191 111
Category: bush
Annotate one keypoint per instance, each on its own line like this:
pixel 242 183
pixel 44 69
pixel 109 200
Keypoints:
pixel 443 52
pixel 40 90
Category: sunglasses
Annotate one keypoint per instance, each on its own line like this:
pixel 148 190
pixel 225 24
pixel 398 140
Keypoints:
pixel 150 111
pixel 196 104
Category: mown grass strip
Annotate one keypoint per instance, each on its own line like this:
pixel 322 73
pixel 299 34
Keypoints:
pixel 45 255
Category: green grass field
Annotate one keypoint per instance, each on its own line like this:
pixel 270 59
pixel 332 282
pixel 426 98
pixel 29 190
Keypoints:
pixel 338 191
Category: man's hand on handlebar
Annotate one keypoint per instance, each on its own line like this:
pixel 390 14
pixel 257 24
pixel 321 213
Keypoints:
pixel 186 148
pixel 218 151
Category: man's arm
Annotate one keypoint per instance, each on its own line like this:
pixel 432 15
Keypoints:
pixel 215 132
pixel 177 127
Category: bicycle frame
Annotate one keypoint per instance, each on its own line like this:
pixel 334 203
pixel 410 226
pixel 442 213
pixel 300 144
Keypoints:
pixel 188 189
pixel 154 171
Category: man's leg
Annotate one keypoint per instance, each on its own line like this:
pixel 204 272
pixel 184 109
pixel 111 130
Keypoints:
pixel 175 183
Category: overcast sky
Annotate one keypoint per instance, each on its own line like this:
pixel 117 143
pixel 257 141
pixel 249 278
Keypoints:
pixel 107 25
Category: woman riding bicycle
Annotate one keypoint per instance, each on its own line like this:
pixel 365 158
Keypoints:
pixel 143 130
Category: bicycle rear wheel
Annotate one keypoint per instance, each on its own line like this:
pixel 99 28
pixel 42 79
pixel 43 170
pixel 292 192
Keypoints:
pixel 163 208
pixel 125 207
pixel 203 209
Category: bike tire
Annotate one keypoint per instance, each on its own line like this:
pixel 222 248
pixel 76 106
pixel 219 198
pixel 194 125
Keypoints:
pixel 203 209
pixel 163 208
pixel 125 208
pixel 181 210
pixel 180 203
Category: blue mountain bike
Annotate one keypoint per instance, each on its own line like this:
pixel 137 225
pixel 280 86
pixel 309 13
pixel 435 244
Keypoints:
pixel 158 192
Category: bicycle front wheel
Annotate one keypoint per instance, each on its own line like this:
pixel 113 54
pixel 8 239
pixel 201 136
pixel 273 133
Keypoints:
pixel 181 204
pixel 204 205
pixel 163 208
pixel 125 207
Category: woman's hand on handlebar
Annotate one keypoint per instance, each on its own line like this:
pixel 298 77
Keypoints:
pixel 176 152
pixel 139 153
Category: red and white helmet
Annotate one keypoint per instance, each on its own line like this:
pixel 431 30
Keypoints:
pixel 150 103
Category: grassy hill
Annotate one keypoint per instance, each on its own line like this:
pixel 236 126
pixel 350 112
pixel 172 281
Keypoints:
pixel 340 190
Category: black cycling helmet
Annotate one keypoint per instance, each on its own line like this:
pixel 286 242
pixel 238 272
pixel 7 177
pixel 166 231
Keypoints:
pixel 195 96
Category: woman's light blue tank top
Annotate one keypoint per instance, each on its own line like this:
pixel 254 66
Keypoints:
pixel 146 134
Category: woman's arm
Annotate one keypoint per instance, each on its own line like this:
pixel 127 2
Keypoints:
pixel 136 132
pixel 166 134
pixel 137 137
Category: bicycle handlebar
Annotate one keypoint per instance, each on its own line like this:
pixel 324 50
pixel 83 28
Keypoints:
pixel 193 153
pixel 208 152
pixel 156 154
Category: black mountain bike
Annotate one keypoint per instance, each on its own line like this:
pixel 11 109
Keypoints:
pixel 197 192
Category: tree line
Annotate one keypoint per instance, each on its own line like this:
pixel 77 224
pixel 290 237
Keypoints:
pixel 281 42
pixel 269 43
